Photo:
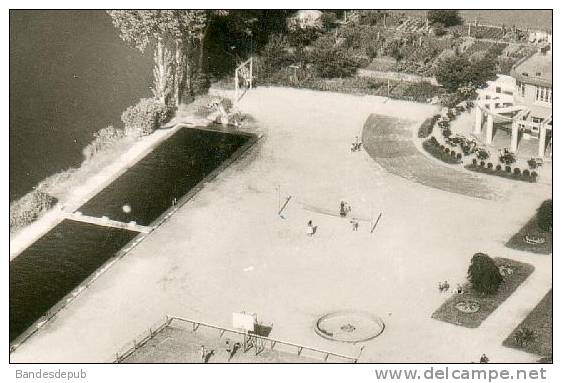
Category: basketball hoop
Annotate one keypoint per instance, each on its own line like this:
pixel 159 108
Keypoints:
pixel 243 78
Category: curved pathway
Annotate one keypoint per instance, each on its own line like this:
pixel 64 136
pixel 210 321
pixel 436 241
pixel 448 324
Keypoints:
pixel 388 141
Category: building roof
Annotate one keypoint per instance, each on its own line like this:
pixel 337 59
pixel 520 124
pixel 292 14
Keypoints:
pixel 535 69
pixel 540 111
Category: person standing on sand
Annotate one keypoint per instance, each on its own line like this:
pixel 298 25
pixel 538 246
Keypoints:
pixel 203 353
pixel 310 229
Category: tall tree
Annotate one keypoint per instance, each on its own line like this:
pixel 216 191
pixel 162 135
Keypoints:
pixel 484 274
pixel 173 34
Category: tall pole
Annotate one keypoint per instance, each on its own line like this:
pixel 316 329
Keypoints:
pixel 251 71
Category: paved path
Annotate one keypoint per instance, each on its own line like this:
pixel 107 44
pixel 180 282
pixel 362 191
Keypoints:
pixel 227 249
pixel 389 141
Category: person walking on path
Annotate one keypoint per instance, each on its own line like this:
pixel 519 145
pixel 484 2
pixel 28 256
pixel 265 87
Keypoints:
pixel 354 224
pixel 484 359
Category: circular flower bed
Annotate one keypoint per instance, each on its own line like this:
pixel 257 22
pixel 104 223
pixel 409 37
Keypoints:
pixel 506 270
pixel 468 307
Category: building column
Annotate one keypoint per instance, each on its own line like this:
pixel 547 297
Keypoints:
pixel 542 140
pixel 514 135
pixel 478 121
pixel 489 129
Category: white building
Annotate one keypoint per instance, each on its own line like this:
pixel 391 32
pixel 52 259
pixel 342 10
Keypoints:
pixel 523 100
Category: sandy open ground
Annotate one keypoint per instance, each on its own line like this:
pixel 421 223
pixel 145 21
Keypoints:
pixel 227 249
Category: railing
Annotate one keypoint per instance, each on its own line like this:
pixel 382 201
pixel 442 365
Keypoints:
pixel 250 340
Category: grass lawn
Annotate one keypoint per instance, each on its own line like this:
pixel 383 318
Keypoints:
pixel 449 313
pixel 539 321
pixel 531 228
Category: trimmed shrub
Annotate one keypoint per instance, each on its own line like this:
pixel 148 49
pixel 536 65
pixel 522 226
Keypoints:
pixel 482 154
pixel 482 164
pixel 526 173
pixel 29 207
pixel 459 156
pixel 447 150
pixel 534 176
pixel 508 169
pixel 426 128
pixel 442 147
pixel 544 215
pixel 453 153
pixel 144 117
pixel 474 161
pixel 490 165
pixel 498 167
pixel 517 171
pixel 484 274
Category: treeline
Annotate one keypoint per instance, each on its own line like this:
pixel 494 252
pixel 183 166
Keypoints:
pixel 190 46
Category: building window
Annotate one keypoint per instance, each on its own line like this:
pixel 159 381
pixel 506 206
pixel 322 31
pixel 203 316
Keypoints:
pixel 537 93
pixel 543 94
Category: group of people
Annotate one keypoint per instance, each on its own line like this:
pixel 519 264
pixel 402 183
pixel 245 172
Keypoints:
pixel 345 209
pixel 444 287
pixel 230 347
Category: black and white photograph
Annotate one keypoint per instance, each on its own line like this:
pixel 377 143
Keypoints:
pixel 249 185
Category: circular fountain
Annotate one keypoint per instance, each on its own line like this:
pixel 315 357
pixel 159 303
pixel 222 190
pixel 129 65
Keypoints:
pixel 349 326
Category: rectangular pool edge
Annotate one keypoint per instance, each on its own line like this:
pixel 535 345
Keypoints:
pixel 238 154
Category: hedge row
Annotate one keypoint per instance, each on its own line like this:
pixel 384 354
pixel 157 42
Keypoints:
pixel 505 172
pixel 439 151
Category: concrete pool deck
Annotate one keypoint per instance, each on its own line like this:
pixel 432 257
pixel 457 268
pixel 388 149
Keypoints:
pixel 227 250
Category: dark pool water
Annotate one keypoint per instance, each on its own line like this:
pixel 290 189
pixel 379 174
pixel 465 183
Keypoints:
pixel 168 172
pixel 54 265
pixel 64 257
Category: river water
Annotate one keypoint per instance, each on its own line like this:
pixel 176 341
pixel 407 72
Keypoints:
pixel 70 75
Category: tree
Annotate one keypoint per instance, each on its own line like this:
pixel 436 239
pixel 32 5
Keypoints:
pixel 439 29
pixel 544 215
pixel 446 17
pixel 459 71
pixel 140 29
pixel 174 34
pixel 274 55
pixel 484 274
pixel 334 62
pixel 393 49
